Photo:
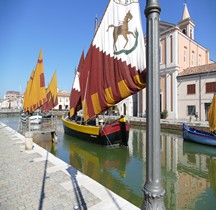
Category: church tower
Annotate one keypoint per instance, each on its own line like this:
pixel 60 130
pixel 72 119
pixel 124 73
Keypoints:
pixel 186 25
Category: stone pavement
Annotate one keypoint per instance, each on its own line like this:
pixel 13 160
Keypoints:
pixel 36 179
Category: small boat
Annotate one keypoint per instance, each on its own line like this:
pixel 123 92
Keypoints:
pixel 37 98
pixel 113 69
pixel 198 136
pixel 203 137
pixel 35 118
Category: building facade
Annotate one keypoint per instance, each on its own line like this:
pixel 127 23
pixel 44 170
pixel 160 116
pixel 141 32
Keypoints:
pixel 11 95
pixel 12 100
pixel 178 51
pixel 196 88
pixel 63 100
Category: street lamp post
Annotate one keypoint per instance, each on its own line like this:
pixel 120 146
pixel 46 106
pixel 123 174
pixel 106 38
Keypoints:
pixel 153 190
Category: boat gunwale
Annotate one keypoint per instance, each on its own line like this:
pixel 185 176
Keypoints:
pixel 88 129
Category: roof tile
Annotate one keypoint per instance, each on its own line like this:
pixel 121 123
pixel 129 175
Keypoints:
pixel 198 69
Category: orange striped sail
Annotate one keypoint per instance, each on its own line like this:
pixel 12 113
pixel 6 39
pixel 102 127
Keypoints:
pixel 27 96
pixel 38 90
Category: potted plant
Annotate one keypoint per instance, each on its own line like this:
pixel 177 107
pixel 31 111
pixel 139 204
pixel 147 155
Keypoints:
pixel 164 114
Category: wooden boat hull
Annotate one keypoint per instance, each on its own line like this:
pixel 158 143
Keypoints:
pixel 198 136
pixel 108 135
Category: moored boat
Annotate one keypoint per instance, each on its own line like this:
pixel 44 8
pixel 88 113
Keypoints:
pixel 203 137
pixel 113 69
pixel 107 135
pixel 34 118
pixel 198 136
pixel 39 100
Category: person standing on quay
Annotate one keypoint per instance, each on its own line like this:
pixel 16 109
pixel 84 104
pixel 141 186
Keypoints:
pixel 196 116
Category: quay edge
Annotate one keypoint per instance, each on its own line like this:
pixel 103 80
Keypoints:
pixel 171 124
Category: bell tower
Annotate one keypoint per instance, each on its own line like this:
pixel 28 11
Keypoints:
pixel 187 25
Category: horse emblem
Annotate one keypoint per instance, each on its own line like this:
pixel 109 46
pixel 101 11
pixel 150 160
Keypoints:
pixel 123 30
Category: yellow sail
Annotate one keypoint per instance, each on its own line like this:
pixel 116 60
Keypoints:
pixel 212 115
pixel 27 99
pixel 51 94
pixel 53 89
pixel 38 90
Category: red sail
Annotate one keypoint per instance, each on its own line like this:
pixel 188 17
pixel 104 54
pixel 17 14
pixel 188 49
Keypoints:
pixel 75 96
pixel 114 67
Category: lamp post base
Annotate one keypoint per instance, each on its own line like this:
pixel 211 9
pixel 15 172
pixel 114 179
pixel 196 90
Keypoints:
pixel 153 202
pixel 153 197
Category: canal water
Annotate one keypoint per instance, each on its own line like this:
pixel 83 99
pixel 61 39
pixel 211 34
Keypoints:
pixel 188 170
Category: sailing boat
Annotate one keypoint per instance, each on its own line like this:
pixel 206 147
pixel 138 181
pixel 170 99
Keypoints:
pixel 202 137
pixel 113 69
pixel 36 96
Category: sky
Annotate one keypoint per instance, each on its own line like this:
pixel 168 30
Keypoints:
pixel 62 29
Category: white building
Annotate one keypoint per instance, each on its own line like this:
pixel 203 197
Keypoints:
pixel 196 88
pixel 12 100
pixel 63 100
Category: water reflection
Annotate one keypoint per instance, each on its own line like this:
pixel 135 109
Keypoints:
pixel 185 168
pixel 106 166
pixel 188 169
pixel 195 175
pixel 212 174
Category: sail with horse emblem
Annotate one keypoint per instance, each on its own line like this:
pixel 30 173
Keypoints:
pixel 113 69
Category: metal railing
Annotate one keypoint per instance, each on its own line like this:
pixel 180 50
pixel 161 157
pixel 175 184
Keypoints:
pixel 46 125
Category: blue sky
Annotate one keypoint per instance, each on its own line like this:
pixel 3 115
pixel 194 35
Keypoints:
pixel 63 28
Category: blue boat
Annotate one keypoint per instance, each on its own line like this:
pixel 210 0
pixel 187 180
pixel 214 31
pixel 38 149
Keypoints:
pixel 198 136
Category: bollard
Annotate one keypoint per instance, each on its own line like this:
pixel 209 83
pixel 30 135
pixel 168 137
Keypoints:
pixel 28 140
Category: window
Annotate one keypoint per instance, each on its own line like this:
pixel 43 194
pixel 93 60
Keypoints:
pixel 160 54
pixel 199 60
pixel 210 87
pixel 191 33
pixel 191 89
pixel 185 50
pixel 191 110
pixel 192 58
pixel 184 31
pixel 171 49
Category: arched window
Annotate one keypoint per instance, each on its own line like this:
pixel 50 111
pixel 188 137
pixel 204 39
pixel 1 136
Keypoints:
pixel 191 33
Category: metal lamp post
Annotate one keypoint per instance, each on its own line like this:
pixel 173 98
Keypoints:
pixel 153 190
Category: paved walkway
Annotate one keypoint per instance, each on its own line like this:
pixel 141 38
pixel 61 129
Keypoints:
pixel 35 179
